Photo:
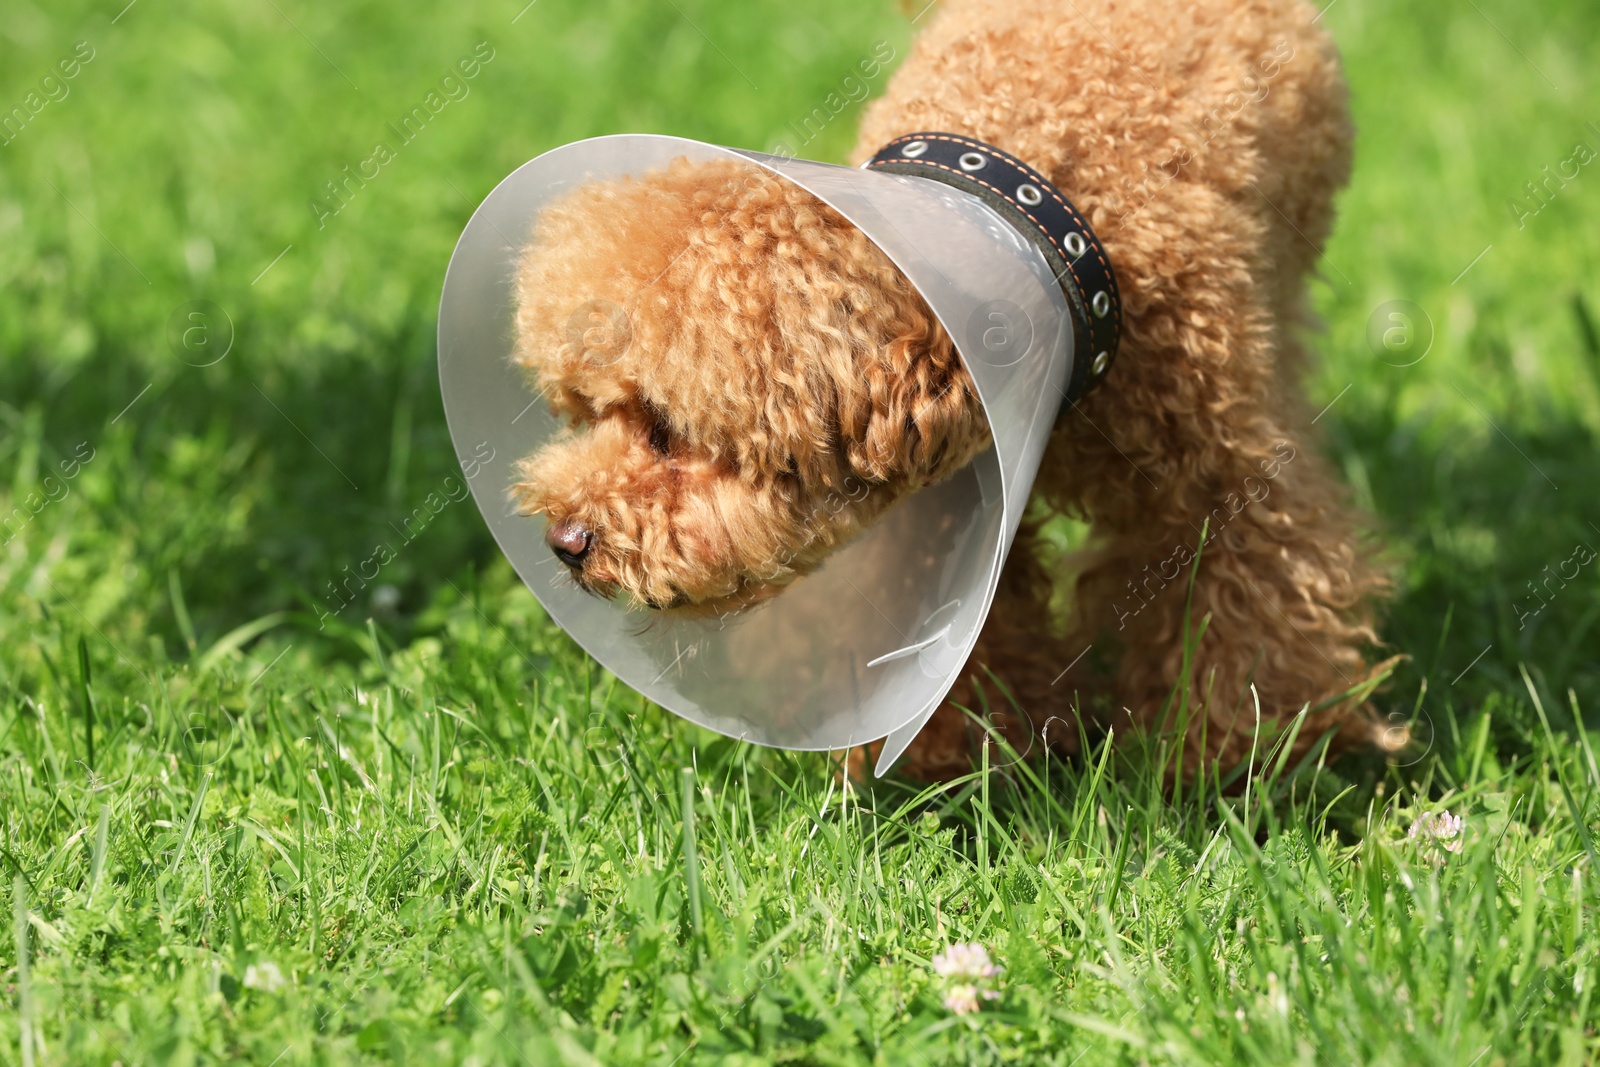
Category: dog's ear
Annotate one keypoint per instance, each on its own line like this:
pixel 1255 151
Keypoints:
pixel 891 401
pixel 912 414
pixel 834 363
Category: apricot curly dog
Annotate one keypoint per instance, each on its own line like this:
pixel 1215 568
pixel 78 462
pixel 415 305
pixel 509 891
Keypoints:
pixel 769 352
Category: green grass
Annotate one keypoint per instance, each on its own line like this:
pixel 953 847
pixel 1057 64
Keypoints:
pixel 433 831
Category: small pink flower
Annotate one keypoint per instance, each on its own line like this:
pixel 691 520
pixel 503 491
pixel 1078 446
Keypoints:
pixel 963 999
pixel 966 960
pixel 970 968
pixel 1442 830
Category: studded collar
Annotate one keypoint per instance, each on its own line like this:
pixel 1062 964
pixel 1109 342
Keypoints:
pixel 1027 200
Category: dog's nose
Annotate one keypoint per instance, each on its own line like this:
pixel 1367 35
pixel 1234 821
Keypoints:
pixel 570 542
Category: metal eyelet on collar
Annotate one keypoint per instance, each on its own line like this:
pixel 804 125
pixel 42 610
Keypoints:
pixel 1101 303
pixel 914 149
pixel 1029 194
pixel 971 161
pixel 1076 245
pixel 1101 362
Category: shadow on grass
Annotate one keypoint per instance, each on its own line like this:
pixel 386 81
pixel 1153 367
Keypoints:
pixel 1497 538
pixel 254 486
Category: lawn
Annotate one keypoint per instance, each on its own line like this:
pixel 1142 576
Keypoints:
pixel 425 828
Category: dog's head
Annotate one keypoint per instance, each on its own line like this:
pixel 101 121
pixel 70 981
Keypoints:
pixel 749 381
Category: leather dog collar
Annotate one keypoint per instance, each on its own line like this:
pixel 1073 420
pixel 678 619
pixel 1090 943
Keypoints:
pixel 1024 198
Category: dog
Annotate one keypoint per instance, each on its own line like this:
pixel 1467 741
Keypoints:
pixel 730 351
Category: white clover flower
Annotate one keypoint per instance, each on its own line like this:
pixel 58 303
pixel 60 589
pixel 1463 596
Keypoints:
pixel 966 960
pixel 969 965
pixel 963 998
pixel 1442 830
pixel 264 976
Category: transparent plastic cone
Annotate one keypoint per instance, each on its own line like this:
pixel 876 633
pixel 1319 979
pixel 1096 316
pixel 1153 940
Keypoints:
pixel 868 644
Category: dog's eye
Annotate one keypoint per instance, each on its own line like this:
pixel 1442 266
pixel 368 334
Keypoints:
pixel 660 438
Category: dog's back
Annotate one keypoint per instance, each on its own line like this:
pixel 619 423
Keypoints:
pixel 1128 105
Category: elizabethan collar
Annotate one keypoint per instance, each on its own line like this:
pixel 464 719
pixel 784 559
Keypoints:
pixel 866 646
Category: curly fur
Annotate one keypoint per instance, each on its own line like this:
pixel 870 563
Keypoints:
pixel 731 352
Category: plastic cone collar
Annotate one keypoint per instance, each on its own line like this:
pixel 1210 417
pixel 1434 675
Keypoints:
pixel 868 645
